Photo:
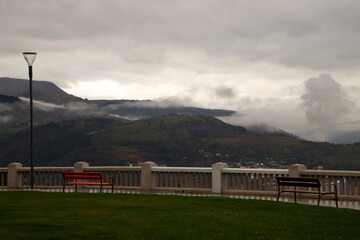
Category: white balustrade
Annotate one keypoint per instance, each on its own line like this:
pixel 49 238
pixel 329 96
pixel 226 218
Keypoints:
pixel 150 177
pixel 347 182
pixel 3 178
pixel 181 178
pixel 251 180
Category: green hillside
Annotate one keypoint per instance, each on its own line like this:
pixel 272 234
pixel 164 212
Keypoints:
pixel 173 140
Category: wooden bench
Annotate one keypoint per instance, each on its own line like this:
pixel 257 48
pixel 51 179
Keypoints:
pixel 311 185
pixel 96 177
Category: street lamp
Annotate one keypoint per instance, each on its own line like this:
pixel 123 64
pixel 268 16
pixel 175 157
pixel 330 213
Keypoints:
pixel 30 58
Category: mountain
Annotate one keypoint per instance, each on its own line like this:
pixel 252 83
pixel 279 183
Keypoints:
pixel 8 99
pixel 53 104
pixel 173 140
pixel 42 90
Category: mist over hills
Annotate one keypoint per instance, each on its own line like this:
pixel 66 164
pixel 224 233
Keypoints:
pixel 102 132
pixel 53 104
pixel 173 140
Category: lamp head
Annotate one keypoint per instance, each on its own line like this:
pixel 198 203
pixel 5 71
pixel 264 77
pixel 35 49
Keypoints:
pixel 30 57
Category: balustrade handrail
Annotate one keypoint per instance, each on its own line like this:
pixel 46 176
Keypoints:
pixel 331 173
pixel 181 169
pixel 43 169
pixel 256 170
pixel 112 168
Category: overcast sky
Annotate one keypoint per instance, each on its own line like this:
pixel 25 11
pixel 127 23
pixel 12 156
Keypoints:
pixel 277 62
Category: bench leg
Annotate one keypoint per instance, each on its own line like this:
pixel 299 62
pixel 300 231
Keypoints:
pixel 64 188
pixel 337 206
pixel 319 199
pixel 295 196
pixel 100 188
pixel 75 188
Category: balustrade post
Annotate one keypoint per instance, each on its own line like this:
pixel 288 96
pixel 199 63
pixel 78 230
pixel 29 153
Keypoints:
pixel 217 177
pixel 14 179
pixel 296 169
pixel 146 176
pixel 79 166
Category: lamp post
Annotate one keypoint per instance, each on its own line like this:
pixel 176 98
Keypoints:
pixel 30 58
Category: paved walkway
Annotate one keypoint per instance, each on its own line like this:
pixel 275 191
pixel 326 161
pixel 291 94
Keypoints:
pixel 324 202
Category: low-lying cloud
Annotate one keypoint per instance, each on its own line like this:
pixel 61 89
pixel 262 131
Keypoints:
pixel 325 102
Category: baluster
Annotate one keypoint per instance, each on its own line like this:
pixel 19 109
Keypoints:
pixel 128 178
pixel 323 183
pixel 233 182
pixel 131 178
pixel 198 179
pixel 247 181
pixel 121 178
pixel 236 182
pixel 251 183
pixel 206 180
pixel 160 177
pixel 136 179
pixel 2 179
pixel 341 179
pixel 27 177
pixel 266 182
pixel 188 179
pixel 166 179
pixel 51 178
pixel 176 179
pixel 116 178
pixel 195 180
pixel 243 181
pixel 260 185
pixel 353 179
pixel 228 178
pixel 348 185
pixel 42 179
pixel 180 180
pixel 36 178
pixel 56 174
pixel 168 182
pixel 273 182
pixel 171 179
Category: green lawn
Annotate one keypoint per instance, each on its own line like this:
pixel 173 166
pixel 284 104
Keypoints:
pixel 40 215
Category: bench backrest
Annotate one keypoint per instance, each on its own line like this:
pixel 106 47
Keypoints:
pixel 83 175
pixel 298 182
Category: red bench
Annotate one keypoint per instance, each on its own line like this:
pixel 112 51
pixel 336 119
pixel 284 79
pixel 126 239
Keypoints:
pixel 311 185
pixel 96 177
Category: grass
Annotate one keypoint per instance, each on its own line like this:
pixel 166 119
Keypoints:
pixel 39 215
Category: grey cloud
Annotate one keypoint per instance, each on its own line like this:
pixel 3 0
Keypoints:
pixel 305 33
pixel 324 101
pixel 225 92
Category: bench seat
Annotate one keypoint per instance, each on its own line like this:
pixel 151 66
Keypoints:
pixel 310 183
pixel 88 183
pixel 96 177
